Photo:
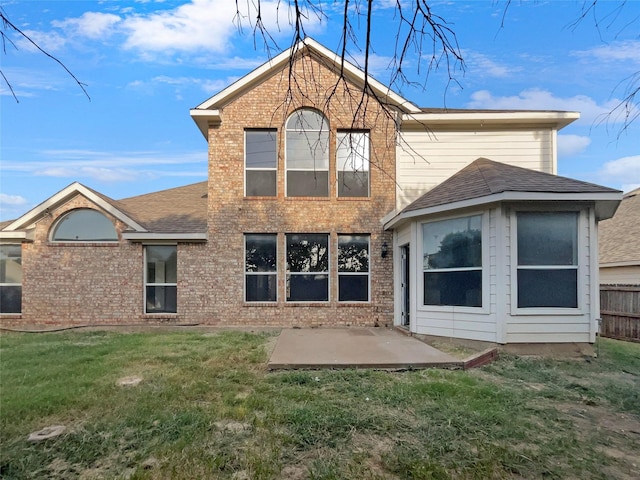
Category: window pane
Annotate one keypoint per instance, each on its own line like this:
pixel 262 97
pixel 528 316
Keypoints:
pixel 455 243
pixel 260 149
pixel 308 183
pixel 353 253
pixel 352 153
pixel 261 183
pixel 353 288
pixel 161 264
pixel 161 299
pixel 261 288
pixel 308 150
pixel 260 251
pixel 308 120
pixel 84 225
pixel 353 184
pixel 307 253
pixel 547 238
pixel 307 288
pixel 10 299
pixel 10 264
pixel 453 288
pixel 548 288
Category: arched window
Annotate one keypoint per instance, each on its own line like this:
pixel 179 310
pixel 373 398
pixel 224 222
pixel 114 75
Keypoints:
pixel 307 154
pixel 84 225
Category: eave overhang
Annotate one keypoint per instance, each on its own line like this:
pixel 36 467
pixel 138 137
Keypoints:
pixel 29 219
pixel 473 118
pixel 149 237
pixel 17 236
pixel 605 204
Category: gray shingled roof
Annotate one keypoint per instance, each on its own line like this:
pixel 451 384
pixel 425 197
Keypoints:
pixel 619 237
pixel 177 210
pixel 485 177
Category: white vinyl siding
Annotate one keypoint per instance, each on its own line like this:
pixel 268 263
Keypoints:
pixel 425 159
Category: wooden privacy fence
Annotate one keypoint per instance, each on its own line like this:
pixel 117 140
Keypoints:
pixel 620 312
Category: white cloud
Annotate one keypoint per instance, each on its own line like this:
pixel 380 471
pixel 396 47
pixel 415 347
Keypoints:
pixel 482 65
pixel 49 41
pixel 93 25
pixel 625 51
pixel 569 145
pixel 623 171
pixel 538 99
pixel 12 200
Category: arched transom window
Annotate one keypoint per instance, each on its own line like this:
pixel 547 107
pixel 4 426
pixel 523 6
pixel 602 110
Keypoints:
pixel 307 154
pixel 84 225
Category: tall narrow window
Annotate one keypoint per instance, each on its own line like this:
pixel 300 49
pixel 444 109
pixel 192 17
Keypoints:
pixel 84 225
pixel 307 268
pixel 547 259
pixel 161 279
pixel 452 262
pixel 261 163
pixel 307 154
pixel 260 267
pixel 10 278
pixel 353 268
pixel 352 162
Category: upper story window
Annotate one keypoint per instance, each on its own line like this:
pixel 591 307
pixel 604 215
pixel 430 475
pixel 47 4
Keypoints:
pixel 261 162
pixel 352 163
pixel 307 154
pixel 547 259
pixel 10 278
pixel 452 262
pixel 84 225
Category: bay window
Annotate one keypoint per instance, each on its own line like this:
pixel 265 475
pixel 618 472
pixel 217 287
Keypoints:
pixel 10 279
pixel 307 267
pixel 547 259
pixel 452 262
pixel 161 279
pixel 261 273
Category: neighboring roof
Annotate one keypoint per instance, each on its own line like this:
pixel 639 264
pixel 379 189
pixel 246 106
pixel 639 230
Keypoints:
pixel 619 237
pixel 209 110
pixel 174 214
pixel 486 181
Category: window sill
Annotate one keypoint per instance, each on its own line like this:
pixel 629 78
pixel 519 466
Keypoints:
pixel 353 304
pixel 84 244
pixel 10 316
pixel 260 304
pixel 354 199
pixel 261 197
pixel 307 199
pixel 307 304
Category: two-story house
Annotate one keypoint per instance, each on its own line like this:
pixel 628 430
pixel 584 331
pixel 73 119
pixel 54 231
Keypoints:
pixel 327 206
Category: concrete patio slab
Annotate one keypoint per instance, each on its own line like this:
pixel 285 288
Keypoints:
pixel 355 348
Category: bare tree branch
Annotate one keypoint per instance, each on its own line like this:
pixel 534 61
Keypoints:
pixel 7 25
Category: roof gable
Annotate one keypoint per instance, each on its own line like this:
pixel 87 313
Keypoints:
pixel 208 110
pixel 105 203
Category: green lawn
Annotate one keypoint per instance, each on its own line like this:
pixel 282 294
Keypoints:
pixel 207 408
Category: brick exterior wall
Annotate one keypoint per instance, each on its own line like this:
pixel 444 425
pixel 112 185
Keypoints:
pixel 94 283
pixel 230 214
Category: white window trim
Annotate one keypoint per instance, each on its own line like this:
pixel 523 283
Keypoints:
pixel 253 169
pixel 244 267
pixel 485 309
pixel 368 273
pixel 314 169
pixel 327 273
pixel 146 284
pixel 580 267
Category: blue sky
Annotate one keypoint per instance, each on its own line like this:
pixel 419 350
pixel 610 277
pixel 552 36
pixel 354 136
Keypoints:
pixel 145 63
